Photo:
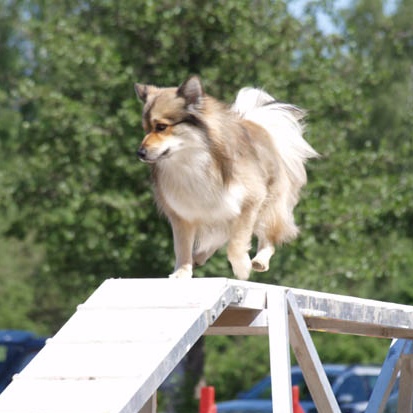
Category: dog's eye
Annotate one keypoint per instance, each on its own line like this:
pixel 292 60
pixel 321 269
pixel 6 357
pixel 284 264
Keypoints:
pixel 159 127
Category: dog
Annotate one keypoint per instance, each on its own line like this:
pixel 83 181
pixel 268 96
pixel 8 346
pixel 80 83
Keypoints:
pixel 222 174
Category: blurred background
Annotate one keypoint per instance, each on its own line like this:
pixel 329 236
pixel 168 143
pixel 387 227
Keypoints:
pixel 76 205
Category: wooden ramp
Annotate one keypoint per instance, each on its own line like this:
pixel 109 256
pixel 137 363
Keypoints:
pixel 122 343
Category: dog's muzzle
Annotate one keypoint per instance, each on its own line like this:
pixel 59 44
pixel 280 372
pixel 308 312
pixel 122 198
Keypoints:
pixel 142 153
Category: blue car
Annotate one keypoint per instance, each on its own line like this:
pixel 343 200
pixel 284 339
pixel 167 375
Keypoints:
pixel 17 348
pixel 352 386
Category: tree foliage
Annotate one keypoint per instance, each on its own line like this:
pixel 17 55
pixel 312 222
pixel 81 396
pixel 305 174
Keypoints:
pixel 76 206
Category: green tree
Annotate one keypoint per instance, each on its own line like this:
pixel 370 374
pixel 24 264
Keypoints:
pixel 19 260
pixel 80 188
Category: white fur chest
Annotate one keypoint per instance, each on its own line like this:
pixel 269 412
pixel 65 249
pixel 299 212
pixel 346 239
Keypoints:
pixel 193 188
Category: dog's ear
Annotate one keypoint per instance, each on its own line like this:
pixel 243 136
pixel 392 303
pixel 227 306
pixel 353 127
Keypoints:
pixel 191 90
pixel 143 91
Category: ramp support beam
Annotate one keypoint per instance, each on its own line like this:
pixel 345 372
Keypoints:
pixel 309 361
pixel 398 359
pixel 279 345
pixel 150 405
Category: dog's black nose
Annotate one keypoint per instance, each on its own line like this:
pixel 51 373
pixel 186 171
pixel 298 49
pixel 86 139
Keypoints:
pixel 142 152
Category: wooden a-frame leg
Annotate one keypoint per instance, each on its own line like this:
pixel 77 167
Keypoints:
pixel 309 361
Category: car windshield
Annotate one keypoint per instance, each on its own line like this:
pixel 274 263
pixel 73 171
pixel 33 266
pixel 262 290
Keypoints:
pixel 297 379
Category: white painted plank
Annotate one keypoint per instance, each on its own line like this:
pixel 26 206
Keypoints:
pixel 94 361
pixel 339 313
pixel 158 293
pixel 118 348
pixel 126 325
pixel 67 396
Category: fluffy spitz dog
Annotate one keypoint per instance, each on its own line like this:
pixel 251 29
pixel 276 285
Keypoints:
pixel 223 173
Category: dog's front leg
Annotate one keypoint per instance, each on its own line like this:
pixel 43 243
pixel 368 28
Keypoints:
pixel 184 237
pixel 240 243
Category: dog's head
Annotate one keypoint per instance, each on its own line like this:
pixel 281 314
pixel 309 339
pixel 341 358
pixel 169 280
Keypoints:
pixel 169 116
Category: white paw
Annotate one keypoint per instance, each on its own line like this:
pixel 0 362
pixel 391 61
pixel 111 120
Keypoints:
pixel 259 266
pixel 242 267
pixel 182 273
pixel 261 262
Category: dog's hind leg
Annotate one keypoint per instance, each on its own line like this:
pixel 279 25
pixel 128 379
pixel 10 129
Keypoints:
pixel 261 262
pixel 240 242
pixel 207 241
pixel 200 258
pixel 276 227
pixel 266 234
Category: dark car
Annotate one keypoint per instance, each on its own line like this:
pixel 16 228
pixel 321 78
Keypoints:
pixel 17 348
pixel 352 386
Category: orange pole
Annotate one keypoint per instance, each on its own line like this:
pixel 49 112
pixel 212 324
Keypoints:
pixel 296 400
pixel 207 400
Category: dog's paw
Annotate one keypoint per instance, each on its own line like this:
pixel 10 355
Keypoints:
pixel 181 273
pixel 261 262
pixel 259 266
pixel 242 267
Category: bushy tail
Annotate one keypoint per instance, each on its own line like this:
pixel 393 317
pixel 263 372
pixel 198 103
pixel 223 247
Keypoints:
pixel 284 123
